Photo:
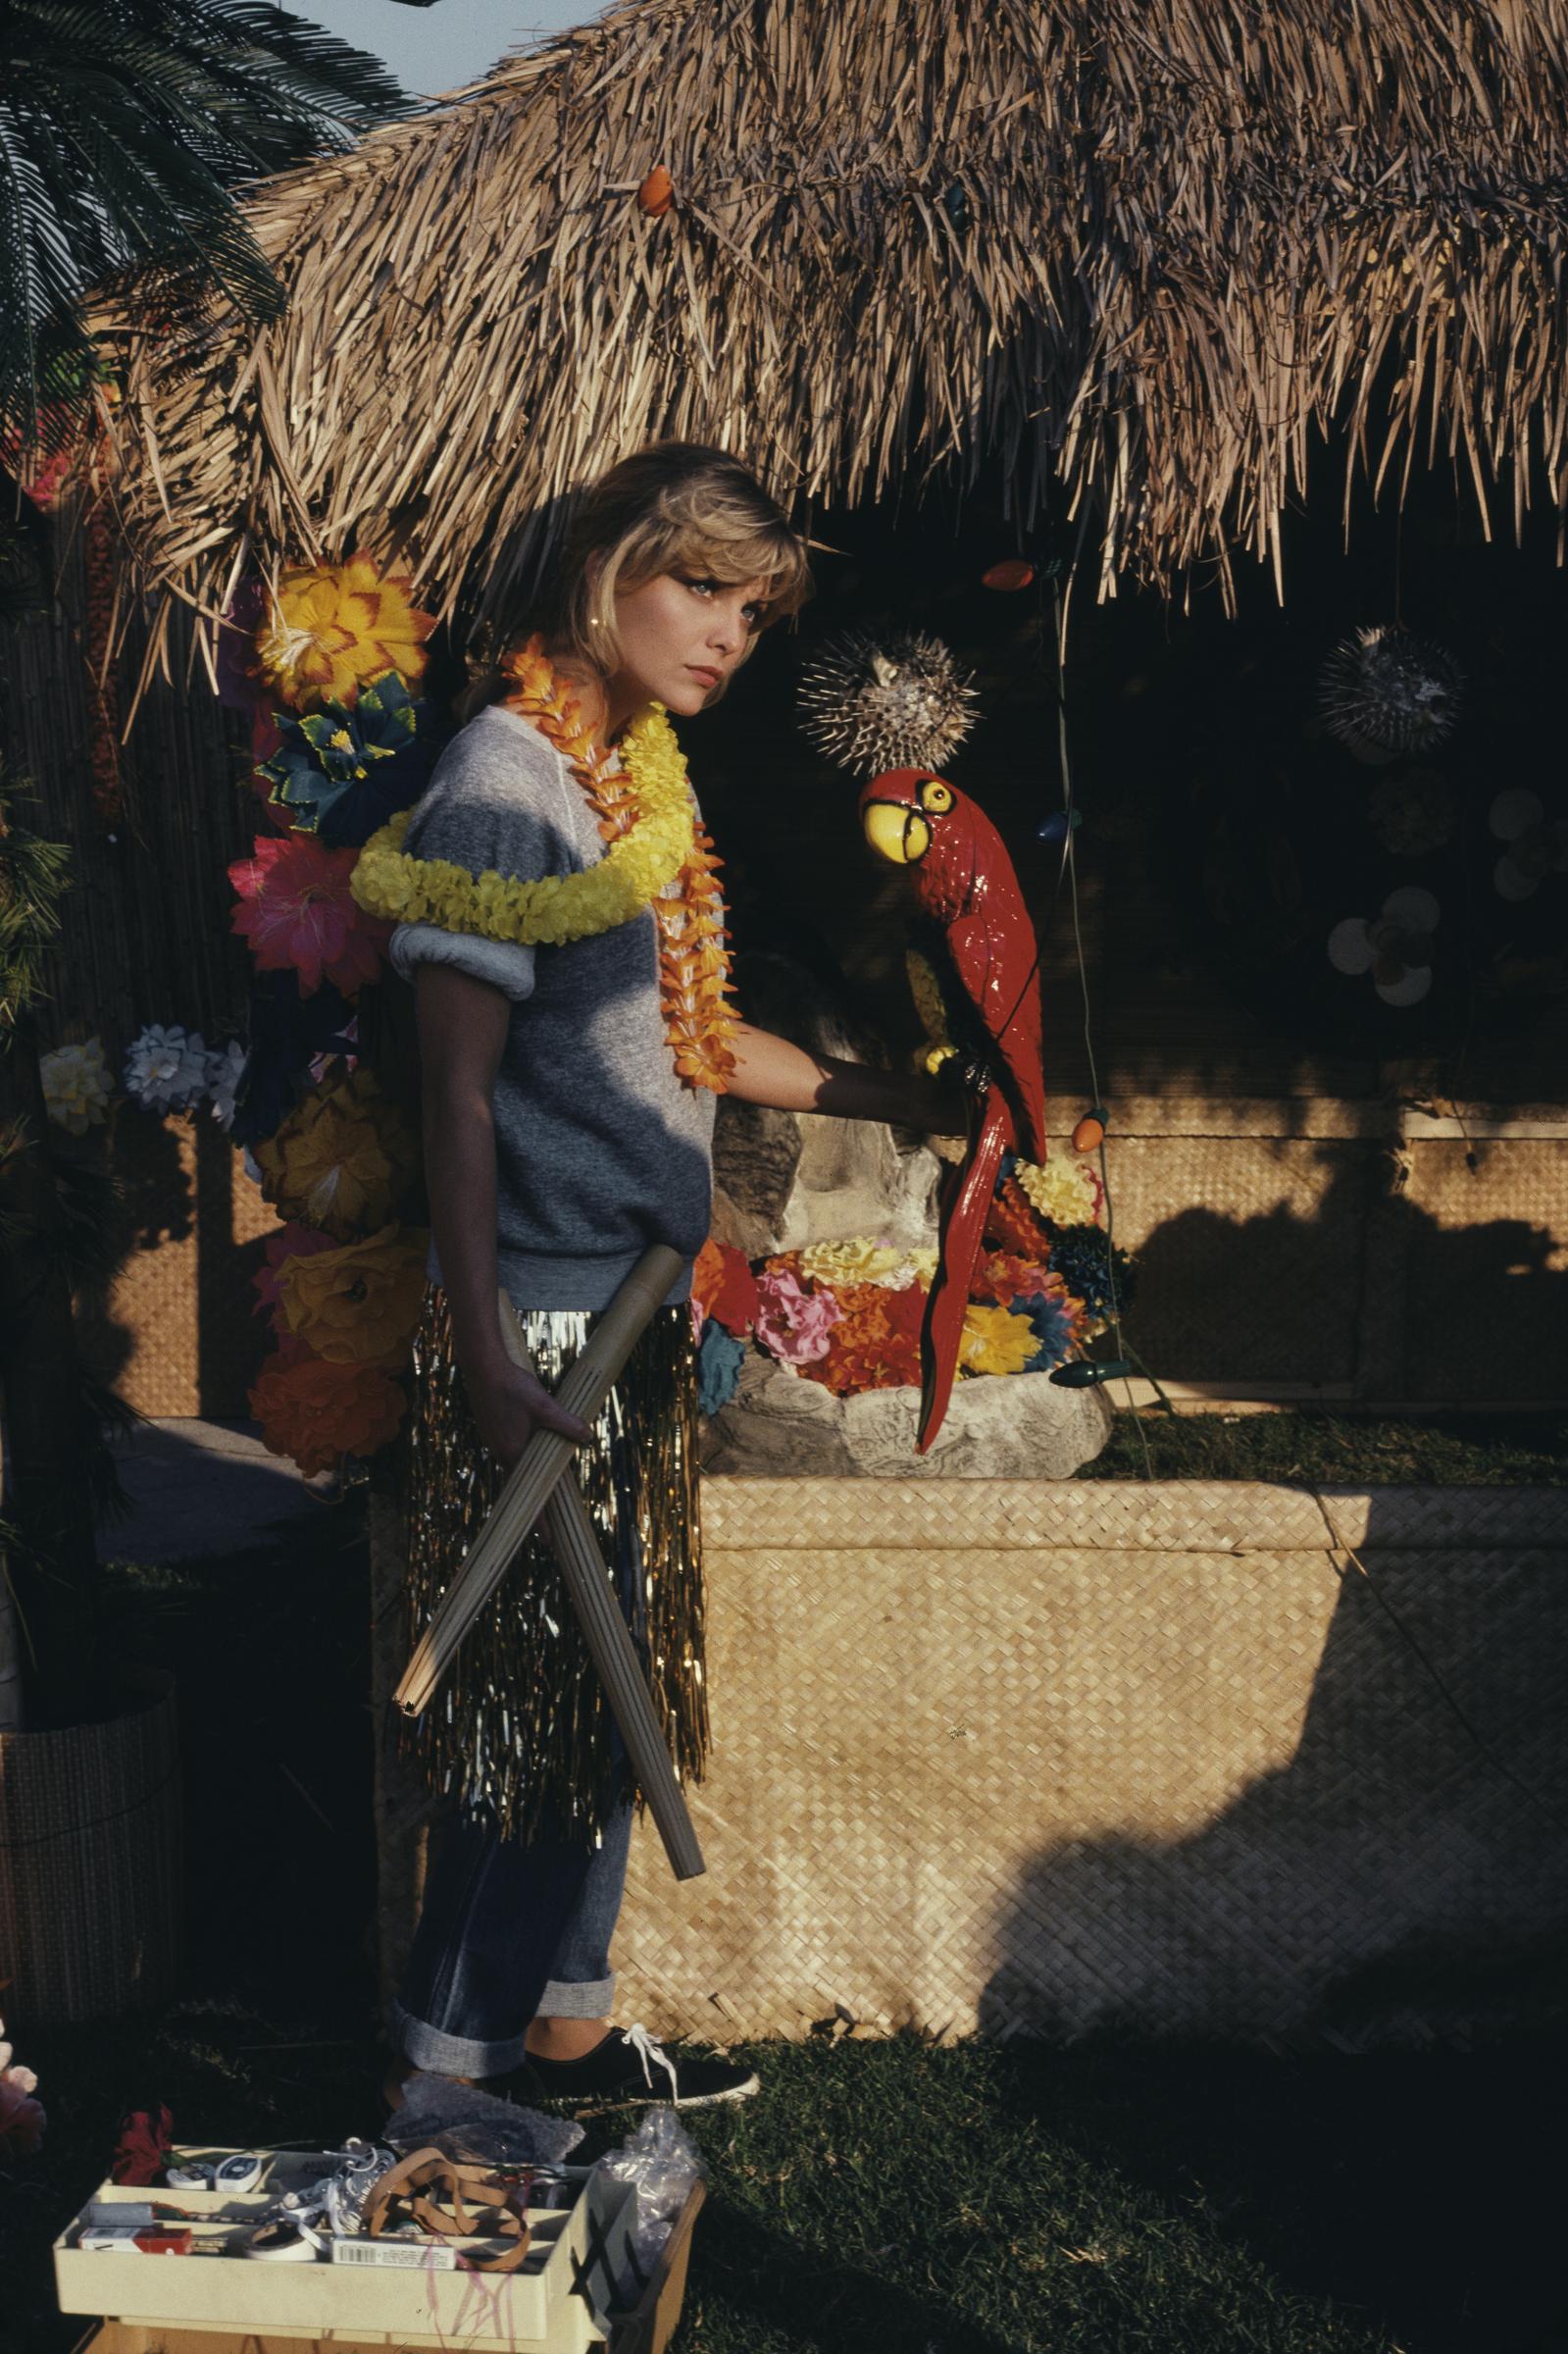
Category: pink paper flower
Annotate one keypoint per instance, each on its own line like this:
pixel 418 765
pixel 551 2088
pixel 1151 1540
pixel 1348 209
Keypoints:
pixel 296 911
pixel 794 1325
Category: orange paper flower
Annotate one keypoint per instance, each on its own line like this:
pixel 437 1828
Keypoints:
pixel 342 1160
pixel 358 1305
pixel 329 628
pixel 316 1412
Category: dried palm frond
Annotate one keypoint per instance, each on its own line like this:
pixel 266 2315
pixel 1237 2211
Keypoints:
pixel 1140 251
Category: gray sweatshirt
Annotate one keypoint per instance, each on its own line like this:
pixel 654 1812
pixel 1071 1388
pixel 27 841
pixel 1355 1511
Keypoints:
pixel 600 1149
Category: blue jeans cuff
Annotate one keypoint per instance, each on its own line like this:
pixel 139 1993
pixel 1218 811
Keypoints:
pixel 453 2055
pixel 577 1998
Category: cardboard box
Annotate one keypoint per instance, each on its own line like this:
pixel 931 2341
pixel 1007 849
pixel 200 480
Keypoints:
pixel 558 2302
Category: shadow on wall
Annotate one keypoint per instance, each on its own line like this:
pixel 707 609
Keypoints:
pixel 1394 1880
pixel 1347 1284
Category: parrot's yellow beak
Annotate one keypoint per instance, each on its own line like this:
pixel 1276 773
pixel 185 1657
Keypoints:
pixel 898 833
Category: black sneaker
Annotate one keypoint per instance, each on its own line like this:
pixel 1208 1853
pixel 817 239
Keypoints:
pixel 629 2066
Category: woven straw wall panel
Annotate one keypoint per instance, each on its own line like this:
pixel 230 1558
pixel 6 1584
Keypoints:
pixel 1197 1784
pixel 90 1883
pixel 177 1333
pixel 1249 1252
pixel 1485 1269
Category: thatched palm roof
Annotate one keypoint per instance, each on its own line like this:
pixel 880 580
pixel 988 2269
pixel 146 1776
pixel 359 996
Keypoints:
pixel 1145 248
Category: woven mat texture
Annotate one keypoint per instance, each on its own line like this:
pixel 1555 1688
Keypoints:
pixel 1006 1755
pixel 91 1895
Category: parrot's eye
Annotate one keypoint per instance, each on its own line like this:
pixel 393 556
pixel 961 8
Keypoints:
pixel 937 797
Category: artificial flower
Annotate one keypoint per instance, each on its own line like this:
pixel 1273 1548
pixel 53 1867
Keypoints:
pixel 166 1067
pixel 1001 1275
pixel 1396 948
pixel 860 1260
pixel 334 756
pixel 285 1243
pixel 358 1305
pixel 1101 1277
pixel 225 1067
pixel 1054 1317
pixel 342 1160
pixel 876 1345
pixel 76 1085
pixel 288 1037
pixel 1536 848
pixel 317 1412
pixel 143 2150
pixel 724 1287
pixel 718 1362
pixel 22 2118
pixel 1066 1192
pixel 995 1341
pixel 298 913
pixel 327 628
pixel 792 1325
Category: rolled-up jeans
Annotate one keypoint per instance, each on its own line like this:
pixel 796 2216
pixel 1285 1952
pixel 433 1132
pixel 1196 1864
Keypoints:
pixel 509 1931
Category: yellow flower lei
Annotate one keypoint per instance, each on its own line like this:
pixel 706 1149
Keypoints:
pixel 388 883
pixel 657 856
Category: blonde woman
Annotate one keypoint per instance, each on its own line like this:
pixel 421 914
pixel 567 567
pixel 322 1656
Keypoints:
pixel 575 1035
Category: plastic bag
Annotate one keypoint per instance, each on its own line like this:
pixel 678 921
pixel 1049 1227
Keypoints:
pixel 661 2163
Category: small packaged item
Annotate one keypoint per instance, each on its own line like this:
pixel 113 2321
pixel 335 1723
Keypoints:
pixel 661 2163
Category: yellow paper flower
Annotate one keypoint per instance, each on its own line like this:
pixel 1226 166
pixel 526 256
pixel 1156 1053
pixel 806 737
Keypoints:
pixel 857 1260
pixel 551 908
pixel 1061 1189
pixel 331 627
pixel 995 1341
pixel 358 1305
pixel 341 1159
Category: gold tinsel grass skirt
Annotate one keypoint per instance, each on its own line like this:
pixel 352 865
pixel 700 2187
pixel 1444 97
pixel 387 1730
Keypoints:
pixel 520 1734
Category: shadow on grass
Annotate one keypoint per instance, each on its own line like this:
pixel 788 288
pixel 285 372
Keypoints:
pixel 1425 2188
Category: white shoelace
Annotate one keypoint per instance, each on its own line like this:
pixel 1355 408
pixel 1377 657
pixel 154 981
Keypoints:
pixel 649 2052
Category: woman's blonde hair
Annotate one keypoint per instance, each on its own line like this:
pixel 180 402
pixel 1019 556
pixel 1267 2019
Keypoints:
pixel 676 506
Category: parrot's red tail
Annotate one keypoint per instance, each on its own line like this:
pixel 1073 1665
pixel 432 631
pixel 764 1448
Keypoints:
pixel 963 1229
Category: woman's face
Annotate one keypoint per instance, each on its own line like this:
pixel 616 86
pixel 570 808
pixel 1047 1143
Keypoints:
pixel 682 633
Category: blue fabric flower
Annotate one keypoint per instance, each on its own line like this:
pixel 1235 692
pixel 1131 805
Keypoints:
pixel 718 1362
pixel 1054 1324
pixel 1081 1258
pixel 343 773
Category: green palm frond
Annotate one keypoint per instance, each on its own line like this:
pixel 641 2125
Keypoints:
pixel 126 129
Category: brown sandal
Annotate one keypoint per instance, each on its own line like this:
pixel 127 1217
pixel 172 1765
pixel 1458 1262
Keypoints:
pixel 429 2190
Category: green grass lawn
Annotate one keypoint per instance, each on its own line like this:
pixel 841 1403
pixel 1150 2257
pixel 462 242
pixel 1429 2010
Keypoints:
pixel 1339 1450
pixel 889 2195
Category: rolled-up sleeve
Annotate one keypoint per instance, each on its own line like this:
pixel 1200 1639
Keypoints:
pixel 505 964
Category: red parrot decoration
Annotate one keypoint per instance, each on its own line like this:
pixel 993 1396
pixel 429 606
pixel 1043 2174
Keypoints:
pixel 980 944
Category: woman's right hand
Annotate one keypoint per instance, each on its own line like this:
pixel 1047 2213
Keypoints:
pixel 509 1406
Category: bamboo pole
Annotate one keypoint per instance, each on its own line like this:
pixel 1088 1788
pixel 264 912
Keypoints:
pixel 521 1503
pixel 576 1546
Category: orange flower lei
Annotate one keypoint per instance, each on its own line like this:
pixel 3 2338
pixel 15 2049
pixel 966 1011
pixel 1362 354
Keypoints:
pixel 693 961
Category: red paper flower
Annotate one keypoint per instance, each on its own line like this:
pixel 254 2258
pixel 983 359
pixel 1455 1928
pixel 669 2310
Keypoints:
pixel 1001 1277
pixel 723 1288
pixel 143 2151
pixel 297 911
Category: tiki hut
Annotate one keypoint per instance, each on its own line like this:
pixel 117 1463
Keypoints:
pixel 1139 260
pixel 1173 297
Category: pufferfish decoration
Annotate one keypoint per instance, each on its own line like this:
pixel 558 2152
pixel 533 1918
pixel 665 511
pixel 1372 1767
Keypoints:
pixel 974 934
